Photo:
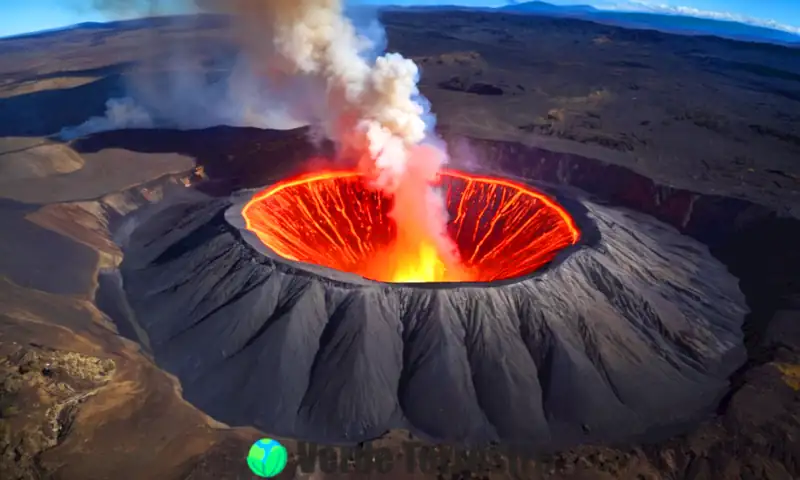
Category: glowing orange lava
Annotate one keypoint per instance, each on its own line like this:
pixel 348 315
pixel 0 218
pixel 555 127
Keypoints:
pixel 333 219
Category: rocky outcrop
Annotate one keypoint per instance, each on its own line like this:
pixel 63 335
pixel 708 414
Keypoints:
pixel 478 88
pixel 40 391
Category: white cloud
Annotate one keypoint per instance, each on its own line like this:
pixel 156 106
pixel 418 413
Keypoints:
pixel 642 5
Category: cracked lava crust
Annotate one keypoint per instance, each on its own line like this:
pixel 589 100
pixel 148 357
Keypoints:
pixel 580 323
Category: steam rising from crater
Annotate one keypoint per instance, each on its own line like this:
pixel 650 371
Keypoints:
pixel 324 70
pixel 371 109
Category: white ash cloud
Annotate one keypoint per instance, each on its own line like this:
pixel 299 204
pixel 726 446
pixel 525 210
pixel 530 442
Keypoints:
pixel 371 107
pixel 307 62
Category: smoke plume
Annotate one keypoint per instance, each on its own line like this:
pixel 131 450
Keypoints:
pixel 368 107
pixel 184 96
pixel 368 104
pixel 372 109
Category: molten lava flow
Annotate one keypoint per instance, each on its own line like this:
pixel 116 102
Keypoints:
pixel 423 265
pixel 333 219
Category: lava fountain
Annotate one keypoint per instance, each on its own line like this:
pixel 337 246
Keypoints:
pixel 502 229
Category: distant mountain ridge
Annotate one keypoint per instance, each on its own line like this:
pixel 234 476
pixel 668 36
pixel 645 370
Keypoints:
pixel 680 24
pixel 668 23
pixel 538 6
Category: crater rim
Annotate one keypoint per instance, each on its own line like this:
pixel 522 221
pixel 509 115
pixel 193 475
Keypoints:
pixel 560 198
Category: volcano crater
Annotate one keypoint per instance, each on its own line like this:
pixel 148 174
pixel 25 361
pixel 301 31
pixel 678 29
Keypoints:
pixel 632 329
pixel 501 229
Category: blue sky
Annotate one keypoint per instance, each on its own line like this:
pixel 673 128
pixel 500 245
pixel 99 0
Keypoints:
pixel 22 16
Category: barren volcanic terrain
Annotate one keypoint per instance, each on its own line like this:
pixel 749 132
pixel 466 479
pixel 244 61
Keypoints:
pixel 656 338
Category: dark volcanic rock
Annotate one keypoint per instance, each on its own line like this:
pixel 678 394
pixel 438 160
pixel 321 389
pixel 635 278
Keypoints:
pixel 459 85
pixel 638 330
pixel 484 89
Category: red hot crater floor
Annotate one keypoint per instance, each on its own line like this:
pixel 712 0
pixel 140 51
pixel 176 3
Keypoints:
pixel 502 229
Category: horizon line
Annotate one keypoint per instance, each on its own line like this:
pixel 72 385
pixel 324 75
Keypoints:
pixel 754 24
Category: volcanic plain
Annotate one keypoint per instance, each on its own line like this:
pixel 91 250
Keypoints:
pixel 696 132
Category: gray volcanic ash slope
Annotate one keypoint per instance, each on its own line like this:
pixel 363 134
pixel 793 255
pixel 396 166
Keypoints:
pixel 637 331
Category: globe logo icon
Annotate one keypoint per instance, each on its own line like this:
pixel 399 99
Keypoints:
pixel 267 458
